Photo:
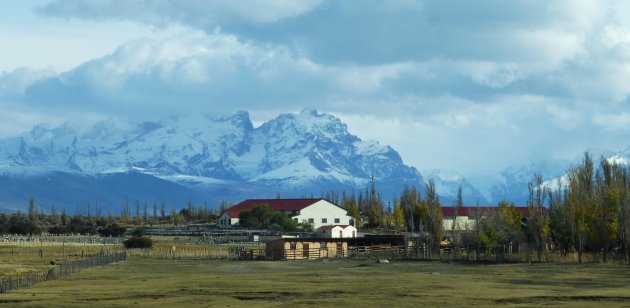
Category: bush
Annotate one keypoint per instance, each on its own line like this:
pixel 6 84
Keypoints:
pixel 138 242
pixel 112 230
pixel 58 230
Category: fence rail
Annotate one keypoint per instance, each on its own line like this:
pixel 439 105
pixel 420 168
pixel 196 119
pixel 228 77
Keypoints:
pixel 25 280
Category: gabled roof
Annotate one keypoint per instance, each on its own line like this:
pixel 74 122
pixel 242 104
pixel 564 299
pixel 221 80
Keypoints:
pixel 274 204
pixel 330 227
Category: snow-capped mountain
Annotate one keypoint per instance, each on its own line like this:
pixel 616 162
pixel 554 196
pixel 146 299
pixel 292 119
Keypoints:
pixel 512 185
pixel 448 182
pixel 222 157
pixel 621 158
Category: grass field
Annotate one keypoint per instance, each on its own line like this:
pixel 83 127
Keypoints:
pixel 220 283
pixel 25 257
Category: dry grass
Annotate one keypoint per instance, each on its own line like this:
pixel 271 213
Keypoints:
pixel 219 283
pixel 16 258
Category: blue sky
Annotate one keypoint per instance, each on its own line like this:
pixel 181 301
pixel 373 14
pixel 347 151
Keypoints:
pixel 471 86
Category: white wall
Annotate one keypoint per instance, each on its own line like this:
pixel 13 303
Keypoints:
pixel 338 232
pixel 463 223
pixel 323 210
pixel 349 231
pixel 224 221
pixel 335 232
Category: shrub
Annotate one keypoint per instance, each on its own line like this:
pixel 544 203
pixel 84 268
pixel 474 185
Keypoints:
pixel 112 230
pixel 138 242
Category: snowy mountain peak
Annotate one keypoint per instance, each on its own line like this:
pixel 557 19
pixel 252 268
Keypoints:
pixel 304 153
pixel 442 174
pixel 448 182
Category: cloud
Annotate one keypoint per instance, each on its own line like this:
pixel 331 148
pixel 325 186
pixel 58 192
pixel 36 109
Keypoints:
pixel 445 82
pixel 217 72
pixel 196 14
pixel 467 49
pixel 14 83
pixel 613 122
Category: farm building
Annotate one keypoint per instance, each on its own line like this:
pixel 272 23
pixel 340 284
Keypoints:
pixel 306 248
pixel 467 215
pixel 316 248
pixel 337 231
pixel 318 212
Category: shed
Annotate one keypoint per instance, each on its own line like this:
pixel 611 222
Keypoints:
pixel 337 231
pixel 306 248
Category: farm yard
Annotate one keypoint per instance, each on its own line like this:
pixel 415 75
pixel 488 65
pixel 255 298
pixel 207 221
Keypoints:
pixel 158 282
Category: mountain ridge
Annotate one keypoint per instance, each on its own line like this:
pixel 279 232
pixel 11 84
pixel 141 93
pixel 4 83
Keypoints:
pixel 216 155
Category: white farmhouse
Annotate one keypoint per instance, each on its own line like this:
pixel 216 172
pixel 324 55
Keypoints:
pixel 318 212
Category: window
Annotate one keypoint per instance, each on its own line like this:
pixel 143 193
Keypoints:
pixel 324 220
pixel 336 220
pixel 323 245
pixel 311 220
pixel 292 246
pixel 295 219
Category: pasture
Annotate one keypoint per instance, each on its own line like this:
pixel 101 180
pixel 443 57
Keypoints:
pixel 24 257
pixel 157 282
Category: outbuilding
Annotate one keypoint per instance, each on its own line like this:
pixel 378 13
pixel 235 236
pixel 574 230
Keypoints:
pixel 337 231
pixel 306 248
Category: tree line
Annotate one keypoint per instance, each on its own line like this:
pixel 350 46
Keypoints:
pixel 585 211
pixel 36 221
pixel 589 211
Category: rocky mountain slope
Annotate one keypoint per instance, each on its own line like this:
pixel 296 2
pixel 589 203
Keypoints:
pixel 203 156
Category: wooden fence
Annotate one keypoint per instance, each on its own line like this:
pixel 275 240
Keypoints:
pixel 25 280
pixel 190 253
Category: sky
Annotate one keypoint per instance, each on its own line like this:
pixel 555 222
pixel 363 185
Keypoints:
pixel 469 86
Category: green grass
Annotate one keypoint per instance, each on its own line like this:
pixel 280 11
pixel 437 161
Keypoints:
pixel 351 283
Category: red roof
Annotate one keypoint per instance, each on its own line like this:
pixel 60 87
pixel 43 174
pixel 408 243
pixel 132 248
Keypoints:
pixel 274 204
pixel 481 210
pixel 330 227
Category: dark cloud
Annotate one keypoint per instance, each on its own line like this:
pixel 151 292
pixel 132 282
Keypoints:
pixel 495 81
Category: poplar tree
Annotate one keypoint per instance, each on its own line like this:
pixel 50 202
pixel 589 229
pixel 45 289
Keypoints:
pixel 434 223
pixel 537 219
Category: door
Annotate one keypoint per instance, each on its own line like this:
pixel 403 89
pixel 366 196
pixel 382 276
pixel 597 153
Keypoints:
pixel 305 251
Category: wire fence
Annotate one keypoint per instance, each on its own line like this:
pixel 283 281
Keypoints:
pixel 26 280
